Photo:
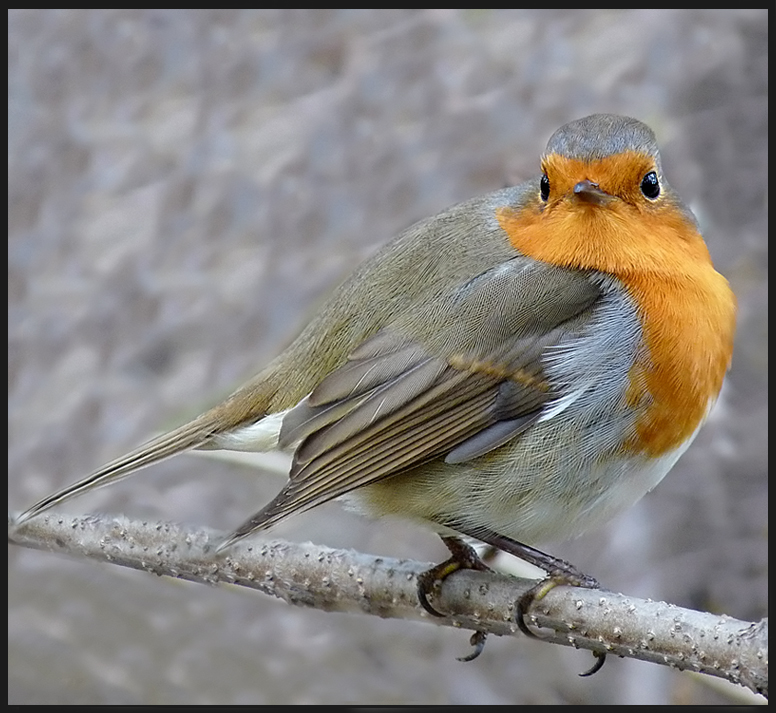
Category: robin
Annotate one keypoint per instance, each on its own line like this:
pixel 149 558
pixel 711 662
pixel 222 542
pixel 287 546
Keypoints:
pixel 521 367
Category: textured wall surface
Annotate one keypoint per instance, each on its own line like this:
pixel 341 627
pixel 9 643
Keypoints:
pixel 185 186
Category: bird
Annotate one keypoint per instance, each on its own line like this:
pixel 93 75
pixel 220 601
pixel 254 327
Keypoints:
pixel 521 367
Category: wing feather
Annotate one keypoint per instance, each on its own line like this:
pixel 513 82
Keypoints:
pixel 454 379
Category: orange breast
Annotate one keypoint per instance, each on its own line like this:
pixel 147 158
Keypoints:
pixel 687 309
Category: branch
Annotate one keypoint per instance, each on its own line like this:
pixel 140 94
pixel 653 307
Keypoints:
pixel 347 581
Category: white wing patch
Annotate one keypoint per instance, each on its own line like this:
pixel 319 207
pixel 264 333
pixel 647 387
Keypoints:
pixel 259 437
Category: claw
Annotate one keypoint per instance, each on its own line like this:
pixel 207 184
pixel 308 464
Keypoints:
pixel 539 591
pixel 534 594
pixel 426 583
pixel 477 640
pixel 597 666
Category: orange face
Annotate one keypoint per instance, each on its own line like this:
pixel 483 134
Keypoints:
pixel 628 233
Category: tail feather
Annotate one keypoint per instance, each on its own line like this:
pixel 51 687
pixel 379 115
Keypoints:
pixel 182 439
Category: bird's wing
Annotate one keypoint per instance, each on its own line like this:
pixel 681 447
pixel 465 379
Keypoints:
pixel 452 379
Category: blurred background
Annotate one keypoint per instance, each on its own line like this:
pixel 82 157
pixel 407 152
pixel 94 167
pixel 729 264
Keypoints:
pixel 186 186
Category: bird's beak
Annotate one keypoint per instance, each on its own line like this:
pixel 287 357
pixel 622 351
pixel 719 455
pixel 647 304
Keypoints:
pixel 590 193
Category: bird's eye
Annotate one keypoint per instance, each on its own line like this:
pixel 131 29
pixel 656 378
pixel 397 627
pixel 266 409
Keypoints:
pixel 544 187
pixel 650 186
